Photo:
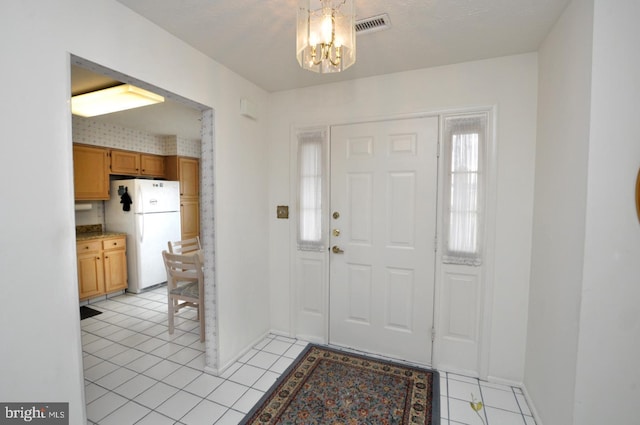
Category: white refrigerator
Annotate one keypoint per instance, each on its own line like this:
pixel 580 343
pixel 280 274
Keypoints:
pixel 152 220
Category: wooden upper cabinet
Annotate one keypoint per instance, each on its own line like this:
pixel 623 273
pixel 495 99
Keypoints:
pixel 152 165
pixel 90 173
pixel 187 171
pixel 125 163
pixel 190 177
pixel 129 163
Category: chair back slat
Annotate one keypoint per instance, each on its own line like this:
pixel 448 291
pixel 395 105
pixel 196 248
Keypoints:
pixel 182 267
pixel 185 246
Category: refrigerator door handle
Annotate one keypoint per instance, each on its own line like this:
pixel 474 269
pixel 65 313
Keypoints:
pixel 141 218
pixel 140 207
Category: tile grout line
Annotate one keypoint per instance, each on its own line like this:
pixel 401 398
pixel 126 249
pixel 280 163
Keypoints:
pixel 259 370
pixel 484 405
pixel 524 420
pixel 448 404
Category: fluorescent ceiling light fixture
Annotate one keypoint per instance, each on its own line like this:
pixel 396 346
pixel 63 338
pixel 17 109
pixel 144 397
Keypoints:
pixel 113 99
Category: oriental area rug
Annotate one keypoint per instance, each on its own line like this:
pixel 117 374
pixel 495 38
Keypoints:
pixel 325 386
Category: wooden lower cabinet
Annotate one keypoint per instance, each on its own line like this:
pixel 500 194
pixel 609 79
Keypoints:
pixel 190 218
pixel 115 264
pixel 90 269
pixel 102 266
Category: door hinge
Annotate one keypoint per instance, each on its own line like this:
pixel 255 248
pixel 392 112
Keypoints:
pixel 435 243
pixel 438 150
pixel 433 334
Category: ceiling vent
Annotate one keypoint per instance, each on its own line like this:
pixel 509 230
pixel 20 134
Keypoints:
pixel 373 24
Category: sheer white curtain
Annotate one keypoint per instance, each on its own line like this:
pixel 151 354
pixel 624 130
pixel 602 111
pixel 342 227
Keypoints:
pixel 464 198
pixel 311 189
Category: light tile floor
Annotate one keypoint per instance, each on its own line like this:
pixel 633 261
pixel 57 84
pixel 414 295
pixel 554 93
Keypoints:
pixel 136 373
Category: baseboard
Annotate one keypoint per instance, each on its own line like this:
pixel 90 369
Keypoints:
pixel 309 338
pixel 532 406
pixel 281 333
pixel 457 371
pixel 211 371
pixel 502 381
pixel 223 368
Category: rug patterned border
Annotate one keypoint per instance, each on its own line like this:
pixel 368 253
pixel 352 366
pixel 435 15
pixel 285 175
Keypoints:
pixel 422 404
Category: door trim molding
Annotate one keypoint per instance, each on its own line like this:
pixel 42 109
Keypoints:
pixel 486 275
pixel 489 238
pixel 296 255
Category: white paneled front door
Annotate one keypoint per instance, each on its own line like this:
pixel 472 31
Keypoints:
pixel 383 227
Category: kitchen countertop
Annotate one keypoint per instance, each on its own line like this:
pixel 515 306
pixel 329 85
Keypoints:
pixel 94 231
pixel 97 235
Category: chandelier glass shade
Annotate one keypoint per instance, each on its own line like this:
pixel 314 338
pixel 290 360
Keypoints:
pixel 326 35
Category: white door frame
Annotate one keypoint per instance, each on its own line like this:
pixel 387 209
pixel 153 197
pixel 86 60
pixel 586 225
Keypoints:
pixel 322 335
pixel 486 272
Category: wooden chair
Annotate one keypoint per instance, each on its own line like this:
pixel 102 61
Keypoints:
pixel 186 246
pixel 185 286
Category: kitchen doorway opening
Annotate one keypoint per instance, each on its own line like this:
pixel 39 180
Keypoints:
pixel 206 120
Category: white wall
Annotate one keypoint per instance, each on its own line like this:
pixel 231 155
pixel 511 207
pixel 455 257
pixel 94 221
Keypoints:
pixel 583 346
pixel 40 331
pixel 511 84
pixel 559 213
pixel 608 376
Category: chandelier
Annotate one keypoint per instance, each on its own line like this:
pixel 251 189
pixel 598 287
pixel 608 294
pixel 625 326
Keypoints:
pixel 326 36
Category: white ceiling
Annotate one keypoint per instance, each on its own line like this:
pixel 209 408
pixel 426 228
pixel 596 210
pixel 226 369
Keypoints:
pixel 256 39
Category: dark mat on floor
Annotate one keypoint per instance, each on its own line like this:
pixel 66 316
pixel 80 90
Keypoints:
pixel 325 385
pixel 86 312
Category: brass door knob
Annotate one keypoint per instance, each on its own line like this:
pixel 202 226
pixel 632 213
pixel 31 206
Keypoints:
pixel 336 250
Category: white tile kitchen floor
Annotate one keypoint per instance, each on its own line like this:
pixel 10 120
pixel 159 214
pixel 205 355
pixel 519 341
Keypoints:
pixel 136 373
